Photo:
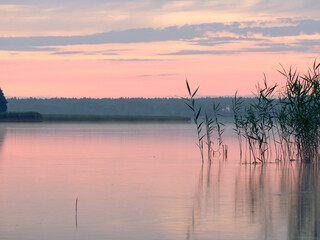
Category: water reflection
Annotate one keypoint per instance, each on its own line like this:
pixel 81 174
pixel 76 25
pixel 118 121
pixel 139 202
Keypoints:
pixel 304 214
pixel 275 201
pixel 3 132
pixel 278 196
pixel 153 188
pixel 207 187
pixel 76 213
pixel 254 198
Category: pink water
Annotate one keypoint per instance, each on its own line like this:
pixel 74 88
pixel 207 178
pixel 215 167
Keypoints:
pixel 144 181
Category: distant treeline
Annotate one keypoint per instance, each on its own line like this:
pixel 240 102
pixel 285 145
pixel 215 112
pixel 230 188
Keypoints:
pixel 119 106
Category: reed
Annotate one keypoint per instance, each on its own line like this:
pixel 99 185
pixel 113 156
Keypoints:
pixel 76 213
pixel 281 123
pixel 190 102
pixel 237 117
pixel 219 127
pixel 286 126
pixel 301 104
pixel 210 121
pixel 218 124
pixel 209 131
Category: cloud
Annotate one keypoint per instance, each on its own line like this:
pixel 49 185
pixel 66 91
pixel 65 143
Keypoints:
pixel 131 59
pixel 158 75
pixel 196 34
pixel 48 2
pixel 67 53
pixel 38 17
pixel 302 26
pixel 167 74
pixel 309 42
pixel 27 48
pixel 84 53
pixel 214 41
pixel 110 53
pixel 254 5
pixel 200 52
pixel 261 47
pixel 145 75
pixel 276 49
pixel 127 36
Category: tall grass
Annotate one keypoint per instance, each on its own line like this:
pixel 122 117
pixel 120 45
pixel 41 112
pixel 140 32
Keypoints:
pixel 214 125
pixel 211 123
pixel 209 131
pixel 282 122
pixel 301 104
pixel 237 117
pixel 191 103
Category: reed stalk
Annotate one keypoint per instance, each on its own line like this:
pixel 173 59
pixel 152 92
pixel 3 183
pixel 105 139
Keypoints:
pixel 211 122
pixel 190 102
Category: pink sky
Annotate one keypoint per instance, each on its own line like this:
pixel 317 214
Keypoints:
pixel 147 49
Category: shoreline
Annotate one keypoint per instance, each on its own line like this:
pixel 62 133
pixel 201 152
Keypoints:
pixel 30 117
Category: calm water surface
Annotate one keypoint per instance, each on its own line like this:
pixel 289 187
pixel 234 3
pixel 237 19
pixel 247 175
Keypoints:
pixel 136 181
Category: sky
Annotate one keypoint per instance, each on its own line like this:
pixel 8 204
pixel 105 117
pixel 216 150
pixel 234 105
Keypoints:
pixel 148 48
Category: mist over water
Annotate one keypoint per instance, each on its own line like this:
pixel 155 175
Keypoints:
pixel 145 181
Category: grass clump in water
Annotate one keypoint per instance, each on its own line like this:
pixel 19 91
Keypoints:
pixel 300 107
pixel 282 123
pixel 287 125
pixel 211 123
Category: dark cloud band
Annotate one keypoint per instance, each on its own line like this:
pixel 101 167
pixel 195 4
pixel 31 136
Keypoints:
pixel 185 33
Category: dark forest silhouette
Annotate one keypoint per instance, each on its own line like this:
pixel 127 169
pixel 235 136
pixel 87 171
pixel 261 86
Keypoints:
pixel 119 106
pixel 3 102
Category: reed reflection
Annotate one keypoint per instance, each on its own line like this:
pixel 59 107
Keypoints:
pixel 280 197
pixel 3 132
pixel 253 198
pixel 206 197
pixel 304 213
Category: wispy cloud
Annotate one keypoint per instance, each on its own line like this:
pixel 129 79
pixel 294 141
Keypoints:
pixel 200 52
pixel 267 48
pixel 214 41
pixel 127 36
pixel 132 59
pixel 309 42
pixel 158 75
pixel 84 53
pixel 206 35
pixel 67 53
pixel 167 74
pixel 145 75
pixel 28 17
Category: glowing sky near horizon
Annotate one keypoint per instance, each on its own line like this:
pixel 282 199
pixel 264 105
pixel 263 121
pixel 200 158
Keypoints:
pixel 125 48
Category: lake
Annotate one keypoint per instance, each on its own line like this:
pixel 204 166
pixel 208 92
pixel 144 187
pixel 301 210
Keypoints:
pixel 145 181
